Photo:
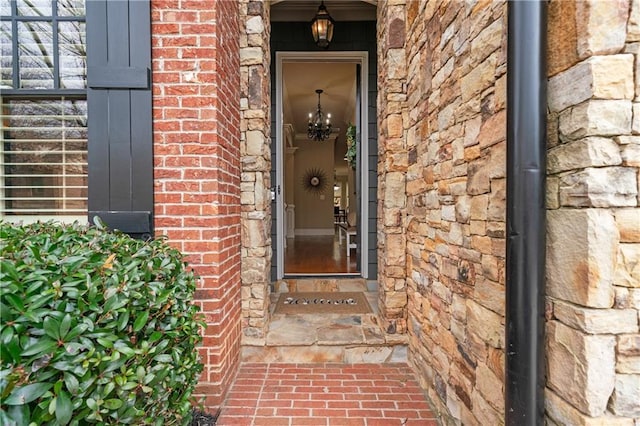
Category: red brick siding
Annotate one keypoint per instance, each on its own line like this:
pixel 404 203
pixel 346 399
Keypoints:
pixel 197 165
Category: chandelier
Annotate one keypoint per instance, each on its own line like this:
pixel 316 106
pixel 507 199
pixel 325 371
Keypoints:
pixel 319 128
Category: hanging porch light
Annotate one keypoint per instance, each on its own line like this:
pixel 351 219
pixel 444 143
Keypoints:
pixel 322 27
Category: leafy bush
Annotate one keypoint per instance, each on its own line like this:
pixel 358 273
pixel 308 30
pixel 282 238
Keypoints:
pixel 352 149
pixel 95 327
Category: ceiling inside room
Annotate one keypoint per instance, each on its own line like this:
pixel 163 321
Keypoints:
pixel 336 79
pixel 299 98
pixel 299 84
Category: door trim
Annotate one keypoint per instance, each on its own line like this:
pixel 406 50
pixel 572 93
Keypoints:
pixel 359 57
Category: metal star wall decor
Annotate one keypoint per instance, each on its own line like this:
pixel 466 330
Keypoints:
pixel 314 180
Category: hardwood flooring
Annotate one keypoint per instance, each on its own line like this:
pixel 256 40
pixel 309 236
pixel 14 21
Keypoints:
pixel 318 254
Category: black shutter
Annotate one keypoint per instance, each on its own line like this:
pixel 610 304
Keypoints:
pixel 120 115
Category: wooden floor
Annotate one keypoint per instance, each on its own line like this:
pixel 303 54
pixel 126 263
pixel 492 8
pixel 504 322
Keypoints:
pixel 318 254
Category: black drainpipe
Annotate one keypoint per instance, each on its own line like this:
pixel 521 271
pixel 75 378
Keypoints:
pixel 525 268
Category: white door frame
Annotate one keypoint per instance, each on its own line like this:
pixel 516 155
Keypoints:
pixel 356 57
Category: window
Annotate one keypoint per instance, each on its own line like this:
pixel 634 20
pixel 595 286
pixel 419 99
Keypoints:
pixel 44 157
pixel 43 79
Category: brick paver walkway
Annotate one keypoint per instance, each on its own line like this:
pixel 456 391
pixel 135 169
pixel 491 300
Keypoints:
pixel 326 394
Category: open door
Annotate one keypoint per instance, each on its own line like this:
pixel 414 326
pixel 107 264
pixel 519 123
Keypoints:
pixel 316 189
pixel 360 165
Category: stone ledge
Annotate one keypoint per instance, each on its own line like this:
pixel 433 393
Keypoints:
pixel 561 412
pixel 597 321
pixel 312 354
pixel 292 285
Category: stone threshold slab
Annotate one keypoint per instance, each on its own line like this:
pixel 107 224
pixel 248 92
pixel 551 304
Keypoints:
pixel 292 285
pixel 315 354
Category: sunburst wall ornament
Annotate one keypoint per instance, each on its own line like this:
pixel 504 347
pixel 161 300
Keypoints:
pixel 314 180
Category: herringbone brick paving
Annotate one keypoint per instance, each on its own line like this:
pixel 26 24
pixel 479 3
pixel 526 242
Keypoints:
pixel 326 394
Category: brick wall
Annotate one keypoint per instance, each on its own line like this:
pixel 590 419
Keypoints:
pixel 197 165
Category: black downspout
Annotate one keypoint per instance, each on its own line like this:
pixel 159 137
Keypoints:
pixel 525 268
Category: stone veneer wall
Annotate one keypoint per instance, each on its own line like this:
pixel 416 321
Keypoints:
pixel 593 240
pixel 255 150
pixel 196 123
pixel 392 166
pixel 443 125
pixel 442 143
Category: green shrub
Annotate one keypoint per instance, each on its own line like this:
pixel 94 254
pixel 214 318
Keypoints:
pixel 95 327
pixel 352 148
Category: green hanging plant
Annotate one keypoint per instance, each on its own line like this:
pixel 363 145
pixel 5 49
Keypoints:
pixel 350 156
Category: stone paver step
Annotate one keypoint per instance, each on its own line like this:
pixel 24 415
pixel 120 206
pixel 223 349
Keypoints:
pixel 333 353
pixel 304 338
pixel 293 285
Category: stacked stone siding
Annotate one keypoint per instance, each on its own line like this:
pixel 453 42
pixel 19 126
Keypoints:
pixel 593 241
pixel 443 145
pixel 443 125
pixel 197 165
pixel 255 148
pixel 392 167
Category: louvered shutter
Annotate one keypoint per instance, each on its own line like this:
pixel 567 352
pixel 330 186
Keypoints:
pixel 120 115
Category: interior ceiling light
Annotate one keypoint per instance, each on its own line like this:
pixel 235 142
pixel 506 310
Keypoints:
pixel 319 127
pixel 322 27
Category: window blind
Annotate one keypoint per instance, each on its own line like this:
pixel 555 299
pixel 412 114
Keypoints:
pixel 43 168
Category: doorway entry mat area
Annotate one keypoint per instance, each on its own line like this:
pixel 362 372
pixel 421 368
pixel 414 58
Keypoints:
pixel 334 302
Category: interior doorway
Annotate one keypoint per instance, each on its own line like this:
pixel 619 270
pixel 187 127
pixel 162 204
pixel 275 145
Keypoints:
pixel 320 207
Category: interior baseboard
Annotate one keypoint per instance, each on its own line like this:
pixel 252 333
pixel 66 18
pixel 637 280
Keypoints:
pixel 314 231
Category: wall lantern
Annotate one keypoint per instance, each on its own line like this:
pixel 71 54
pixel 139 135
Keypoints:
pixel 322 27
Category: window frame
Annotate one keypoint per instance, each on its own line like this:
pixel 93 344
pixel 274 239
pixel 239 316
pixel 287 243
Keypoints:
pixel 44 94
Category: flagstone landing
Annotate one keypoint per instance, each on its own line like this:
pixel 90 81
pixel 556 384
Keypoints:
pixel 313 338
